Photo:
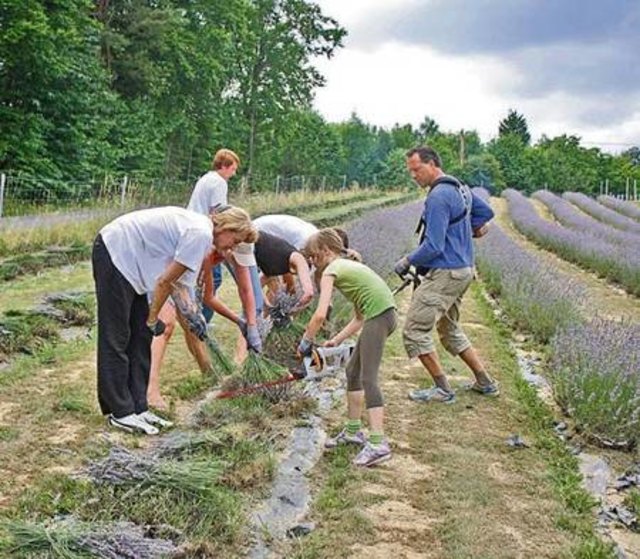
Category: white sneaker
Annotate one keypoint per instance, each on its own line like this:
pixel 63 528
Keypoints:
pixel 133 424
pixel 152 419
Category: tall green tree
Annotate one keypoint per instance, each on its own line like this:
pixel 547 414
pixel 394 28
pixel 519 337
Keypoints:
pixel 273 61
pixel 516 124
pixel 56 109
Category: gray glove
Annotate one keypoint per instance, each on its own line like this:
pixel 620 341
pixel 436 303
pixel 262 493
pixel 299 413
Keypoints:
pixel 197 324
pixel 402 267
pixel 305 347
pixel 254 341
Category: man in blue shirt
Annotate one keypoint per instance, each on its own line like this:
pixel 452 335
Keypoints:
pixel 452 216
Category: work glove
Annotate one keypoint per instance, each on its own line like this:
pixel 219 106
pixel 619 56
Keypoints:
pixel 402 267
pixel 157 328
pixel 197 324
pixel 242 324
pixel 254 341
pixel 305 347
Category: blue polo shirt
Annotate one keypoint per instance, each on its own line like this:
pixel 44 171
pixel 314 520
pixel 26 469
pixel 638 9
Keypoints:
pixel 444 245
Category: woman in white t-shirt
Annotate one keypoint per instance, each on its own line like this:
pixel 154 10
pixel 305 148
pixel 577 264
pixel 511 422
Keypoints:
pixel 157 251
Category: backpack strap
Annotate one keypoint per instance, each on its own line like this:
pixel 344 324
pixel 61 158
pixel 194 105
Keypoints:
pixel 462 189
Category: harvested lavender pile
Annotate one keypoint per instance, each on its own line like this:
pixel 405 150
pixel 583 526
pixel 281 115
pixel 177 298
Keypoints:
pixel 71 539
pixel 179 444
pixel 193 477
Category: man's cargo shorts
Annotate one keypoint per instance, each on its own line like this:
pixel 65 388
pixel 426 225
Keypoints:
pixel 436 303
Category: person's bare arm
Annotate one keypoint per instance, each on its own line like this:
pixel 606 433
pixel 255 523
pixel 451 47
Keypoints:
pixel 320 314
pixel 245 292
pixel 355 324
pixel 210 298
pixel 299 264
pixel 163 288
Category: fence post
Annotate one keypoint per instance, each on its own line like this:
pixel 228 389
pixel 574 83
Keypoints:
pixel 3 181
pixel 606 187
pixel 635 191
pixel 324 182
pixel 277 184
pixel 344 182
pixel 626 189
pixel 123 191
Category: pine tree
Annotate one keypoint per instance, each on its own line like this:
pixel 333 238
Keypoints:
pixel 516 124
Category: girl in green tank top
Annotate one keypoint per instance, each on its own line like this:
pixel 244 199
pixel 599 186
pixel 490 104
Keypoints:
pixel 375 316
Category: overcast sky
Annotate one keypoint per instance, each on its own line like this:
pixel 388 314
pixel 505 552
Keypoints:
pixel 570 66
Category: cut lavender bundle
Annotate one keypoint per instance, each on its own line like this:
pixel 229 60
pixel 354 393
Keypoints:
pixel 195 478
pixel 72 539
pixel 221 364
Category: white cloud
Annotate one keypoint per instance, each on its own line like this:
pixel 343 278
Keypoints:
pixel 396 82
pixel 400 83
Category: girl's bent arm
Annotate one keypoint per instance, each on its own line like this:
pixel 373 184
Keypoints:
pixel 349 330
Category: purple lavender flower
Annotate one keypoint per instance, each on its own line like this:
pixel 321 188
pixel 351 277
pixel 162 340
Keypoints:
pixel 628 209
pixel 383 236
pixel 595 370
pixel 614 261
pixel 602 213
pixel 536 297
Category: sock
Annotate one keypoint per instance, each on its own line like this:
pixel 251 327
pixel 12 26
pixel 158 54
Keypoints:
pixel 352 426
pixel 442 383
pixel 482 378
pixel 375 438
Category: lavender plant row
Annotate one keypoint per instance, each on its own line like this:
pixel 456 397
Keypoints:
pixel 617 263
pixel 602 213
pixel 595 372
pixel 595 365
pixel 569 216
pixel 535 296
pixel 628 209
pixel 383 236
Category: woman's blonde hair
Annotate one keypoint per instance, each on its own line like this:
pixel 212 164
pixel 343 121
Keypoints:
pixel 232 218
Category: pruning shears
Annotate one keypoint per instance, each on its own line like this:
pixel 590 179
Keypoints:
pixel 408 279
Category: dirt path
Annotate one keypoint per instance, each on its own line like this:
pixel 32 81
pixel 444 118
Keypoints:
pixel 454 488
pixel 602 299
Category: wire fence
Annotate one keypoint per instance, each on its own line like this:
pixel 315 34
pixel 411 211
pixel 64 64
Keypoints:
pixel 22 194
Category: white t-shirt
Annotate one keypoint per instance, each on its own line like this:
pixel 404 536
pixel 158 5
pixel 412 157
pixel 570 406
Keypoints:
pixel 143 243
pixel 210 190
pixel 292 229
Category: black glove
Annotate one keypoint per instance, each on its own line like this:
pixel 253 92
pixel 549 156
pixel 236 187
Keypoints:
pixel 402 267
pixel 197 324
pixel 305 347
pixel 157 328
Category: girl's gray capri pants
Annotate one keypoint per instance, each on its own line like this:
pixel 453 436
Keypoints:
pixel 363 367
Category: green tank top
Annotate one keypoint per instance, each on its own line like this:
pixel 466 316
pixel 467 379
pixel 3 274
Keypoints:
pixel 367 291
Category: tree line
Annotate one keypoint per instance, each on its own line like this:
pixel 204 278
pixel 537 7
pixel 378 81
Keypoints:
pixel 153 87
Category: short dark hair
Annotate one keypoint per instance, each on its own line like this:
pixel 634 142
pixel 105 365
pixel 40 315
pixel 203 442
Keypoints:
pixel 426 154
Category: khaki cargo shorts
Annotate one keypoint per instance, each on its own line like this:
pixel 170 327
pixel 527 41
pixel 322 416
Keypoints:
pixel 436 304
